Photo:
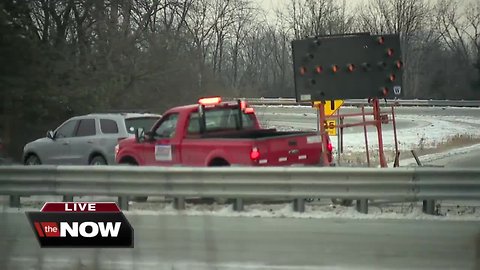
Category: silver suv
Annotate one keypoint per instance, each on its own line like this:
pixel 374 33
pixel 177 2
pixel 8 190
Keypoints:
pixel 87 139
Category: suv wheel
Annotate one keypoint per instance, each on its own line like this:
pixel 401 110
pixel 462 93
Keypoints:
pixel 33 160
pixel 98 160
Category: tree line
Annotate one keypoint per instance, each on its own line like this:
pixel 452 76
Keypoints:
pixel 67 57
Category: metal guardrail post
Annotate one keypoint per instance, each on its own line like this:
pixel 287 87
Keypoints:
pixel 123 202
pixel 429 207
pixel 299 205
pixel 238 205
pixel 362 206
pixel 67 198
pixel 15 201
pixel 179 203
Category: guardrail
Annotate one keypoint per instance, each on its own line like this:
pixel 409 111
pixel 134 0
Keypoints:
pixel 296 183
pixel 357 102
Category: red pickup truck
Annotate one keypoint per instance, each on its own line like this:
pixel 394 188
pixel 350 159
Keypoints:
pixel 215 133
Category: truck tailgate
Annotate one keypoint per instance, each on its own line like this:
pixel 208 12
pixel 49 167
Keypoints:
pixel 289 150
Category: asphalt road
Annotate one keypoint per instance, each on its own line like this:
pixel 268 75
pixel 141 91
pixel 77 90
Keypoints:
pixel 466 160
pixel 205 242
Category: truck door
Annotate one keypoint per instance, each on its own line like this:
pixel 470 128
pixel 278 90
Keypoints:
pixel 163 149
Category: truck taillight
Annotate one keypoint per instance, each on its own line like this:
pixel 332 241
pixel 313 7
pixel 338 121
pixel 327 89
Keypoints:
pixel 254 154
pixel 329 147
pixel 117 147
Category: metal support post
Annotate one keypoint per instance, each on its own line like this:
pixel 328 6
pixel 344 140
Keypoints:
pixel 179 203
pixel 339 143
pixel 299 205
pixel 362 206
pixel 394 123
pixel 123 202
pixel 15 201
pixel 238 205
pixel 419 163
pixel 429 207
pixel 377 118
pixel 366 136
pixel 341 134
pixel 323 133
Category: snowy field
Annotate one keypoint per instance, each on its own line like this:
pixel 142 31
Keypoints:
pixel 427 129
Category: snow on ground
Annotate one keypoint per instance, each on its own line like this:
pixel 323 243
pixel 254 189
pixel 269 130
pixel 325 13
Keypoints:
pixel 285 210
pixel 448 210
pixel 431 131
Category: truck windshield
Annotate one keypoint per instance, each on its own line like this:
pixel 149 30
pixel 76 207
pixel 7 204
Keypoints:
pixel 220 119
pixel 139 122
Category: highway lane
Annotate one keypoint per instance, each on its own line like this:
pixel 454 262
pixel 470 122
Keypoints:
pixel 205 242
pixel 466 160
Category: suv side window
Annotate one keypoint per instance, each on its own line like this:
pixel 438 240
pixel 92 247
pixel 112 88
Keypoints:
pixel 86 127
pixel 108 126
pixel 67 129
pixel 167 126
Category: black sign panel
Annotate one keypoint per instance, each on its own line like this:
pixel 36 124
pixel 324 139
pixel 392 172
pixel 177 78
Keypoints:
pixel 81 229
pixel 347 67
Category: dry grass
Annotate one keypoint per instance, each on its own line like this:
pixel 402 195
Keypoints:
pixel 454 142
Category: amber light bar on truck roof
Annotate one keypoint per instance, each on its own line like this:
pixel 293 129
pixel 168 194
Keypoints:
pixel 210 101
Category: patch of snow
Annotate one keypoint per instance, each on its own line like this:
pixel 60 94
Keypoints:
pixel 311 211
pixel 433 131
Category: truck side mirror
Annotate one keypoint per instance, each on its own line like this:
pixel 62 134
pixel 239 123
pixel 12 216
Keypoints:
pixel 51 135
pixel 139 135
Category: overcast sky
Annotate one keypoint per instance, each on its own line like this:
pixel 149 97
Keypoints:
pixel 270 5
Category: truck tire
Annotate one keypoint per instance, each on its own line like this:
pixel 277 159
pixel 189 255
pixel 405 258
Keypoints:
pixel 218 163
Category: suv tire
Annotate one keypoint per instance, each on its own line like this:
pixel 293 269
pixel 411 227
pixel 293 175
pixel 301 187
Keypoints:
pixel 33 160
pixel 98 160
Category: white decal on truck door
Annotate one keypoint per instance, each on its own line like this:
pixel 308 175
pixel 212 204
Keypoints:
pixel 163 152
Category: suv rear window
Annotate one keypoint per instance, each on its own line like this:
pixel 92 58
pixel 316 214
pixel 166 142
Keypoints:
pixel 108 126
pixel 139 122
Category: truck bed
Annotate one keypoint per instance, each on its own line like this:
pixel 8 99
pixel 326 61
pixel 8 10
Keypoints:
pixel 254 134
pixel 277 148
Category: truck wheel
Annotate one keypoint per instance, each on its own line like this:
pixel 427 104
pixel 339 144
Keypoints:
pixel 135 198
pixel 342 202
pixel 218 162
